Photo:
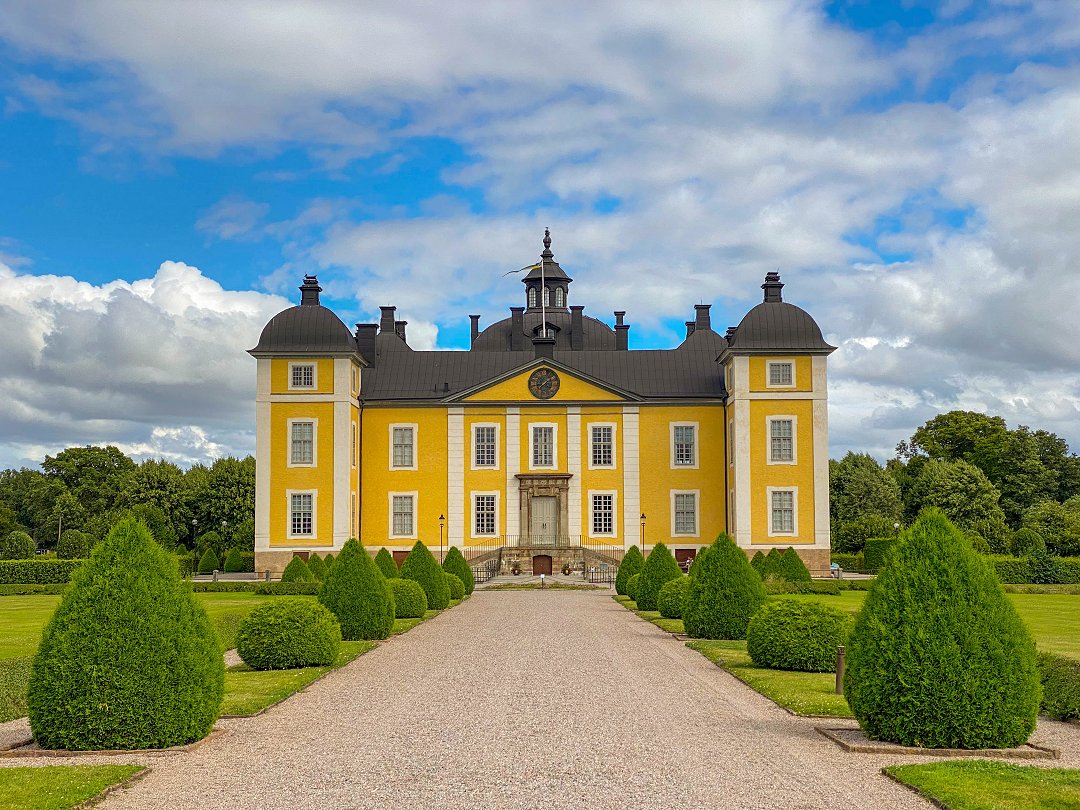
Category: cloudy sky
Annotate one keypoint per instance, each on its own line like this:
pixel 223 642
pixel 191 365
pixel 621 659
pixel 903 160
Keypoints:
pixel 169 171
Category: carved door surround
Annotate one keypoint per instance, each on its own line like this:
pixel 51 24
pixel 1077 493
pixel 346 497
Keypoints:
pixel 556 485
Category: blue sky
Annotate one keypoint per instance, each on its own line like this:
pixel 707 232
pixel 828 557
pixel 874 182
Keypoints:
pixel 168 174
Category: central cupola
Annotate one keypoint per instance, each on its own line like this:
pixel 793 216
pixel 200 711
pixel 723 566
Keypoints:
pixel 546 285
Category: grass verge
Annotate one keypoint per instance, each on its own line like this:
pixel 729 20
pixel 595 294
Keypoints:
pixel 58 787
pixel 667 625
pixel 404 625
pixel 984 785
pixel 249 691
pixel 14 676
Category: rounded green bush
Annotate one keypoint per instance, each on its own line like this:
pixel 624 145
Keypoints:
pixel 209 562
pixel 632 587
pixel 630 565
pixel 129 659
pixel 456 586
pixel 455 563
pixel 410 601
pixel 355 592
pixel 938 656
pixel 1026 541
pixel 795 635
pixel 725 592
pixel 423 568
pixel 18 546
pixel 317 567
pixel 1060 686
pixel 287 633
pixel 297 571
pixel 385 560
pixel 73 545
pixel 234 562
pixel 792 568
pixel 659 567
pixel 672 597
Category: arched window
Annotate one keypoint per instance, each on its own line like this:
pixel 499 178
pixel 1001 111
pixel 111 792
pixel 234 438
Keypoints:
pixel 532 297
pixel 559 297
pixel 547 297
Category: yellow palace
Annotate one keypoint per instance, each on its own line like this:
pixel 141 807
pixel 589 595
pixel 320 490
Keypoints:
pixel 549 439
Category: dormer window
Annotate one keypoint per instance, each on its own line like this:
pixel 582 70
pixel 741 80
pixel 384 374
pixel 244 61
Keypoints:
pixel 532 298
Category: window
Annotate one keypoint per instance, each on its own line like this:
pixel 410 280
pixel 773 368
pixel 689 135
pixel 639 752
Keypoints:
pixel 782 504
pixel 543 446
pixel 484 519
pixel 731 442
pixel 352 516
pixel 559 297
pixel 402 515
pixel 547 297
pixel 601 446
pixel 684 513
pixel 402 447
pixel 603 513
pixel 781 374
pixel 782 439
pixel 485 446
pixel 301 514
pixel 301 375
pixel 532 298
pixel 684 445
pixel 355 455
pixel 301 443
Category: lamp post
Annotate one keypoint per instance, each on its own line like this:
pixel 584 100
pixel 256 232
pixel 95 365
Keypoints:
pixel 642 530
pixel 194 531
pixel 442 524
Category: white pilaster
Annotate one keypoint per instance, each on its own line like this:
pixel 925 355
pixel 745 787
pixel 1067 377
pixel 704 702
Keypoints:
pixel 512 503
pixel 574 451
pixel 342 442
pixel 742 473
pixel 821 454
pixel 631 477
pixel 455 477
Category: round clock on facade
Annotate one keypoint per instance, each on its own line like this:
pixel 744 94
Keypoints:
pixel 544 383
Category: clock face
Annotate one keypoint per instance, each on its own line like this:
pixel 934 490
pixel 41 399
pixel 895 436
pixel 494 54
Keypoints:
pixel 544 383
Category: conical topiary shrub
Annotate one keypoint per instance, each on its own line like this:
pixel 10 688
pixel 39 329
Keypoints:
pixel 328 560
pixel 724 593
pixel 938 656
pixel 234 562
pixel 297 571
pixel 632 587
pixel 792 568
pixel 422 567
pixel 129 659
pixel 659 567
pixel 456 586
pixel 770 567
pixel 356 593
pixel 630 565
pixel 209 562
pixel 757 562
pixel 317 567
pixel 456 564
pixel 385 560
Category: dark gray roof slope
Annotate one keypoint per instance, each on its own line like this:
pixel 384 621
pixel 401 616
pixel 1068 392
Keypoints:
pixel 778 325
pixel 304 329
pixel 596 334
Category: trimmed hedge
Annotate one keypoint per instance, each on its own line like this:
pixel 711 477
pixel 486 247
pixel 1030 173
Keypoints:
pixel 1060 678
pixel 455 563
pixel 876 552
pixel 317 567
pixel 410 601
pixel 289 633
pixel 724 593
pixel 848 562
pixel 385 560
pixel 672 597
pixel 796 635
pixel 792 568
pixel 37 572
pixel 129 659
pixel 297 571
pixel 186 564
pixel 74 545
pixel 209 563
pixel 456 586
pixel 632 587
pixel 309 588
pixel 1038 568
pixel 234 562
pixel 355 591
pixel 659 567
pixel 18 545
pixel 829 587
pixel 422 567
pixel 630 565
pixel 938 656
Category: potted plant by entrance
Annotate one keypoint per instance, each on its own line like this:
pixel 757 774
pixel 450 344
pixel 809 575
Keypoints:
pixel 566 569
pixel 515 567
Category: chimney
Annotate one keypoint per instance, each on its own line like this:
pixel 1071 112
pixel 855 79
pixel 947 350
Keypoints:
pixel 309 291
pixel 545 346
pixel 772 288
pixel 474 329
pixel 386 322
pixel 399 330
pixel 517 329
pixel 702 319
pixel 622 332
pixel 577 328
pixel 365 340
pixel 729 335
pixel 689 328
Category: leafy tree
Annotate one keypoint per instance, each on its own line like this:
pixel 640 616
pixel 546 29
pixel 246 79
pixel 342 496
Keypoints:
pixel 659 567
pixel 160 484
pixel 94 475
pixel 1058 526
pixel 456 564
pixel 725 592
pixel 850 537
pixel 297 571
pixel 630 565
pixel 423 568
pixel 67 513
pixel 859 486
pixel 9 520
pixel 356 592
pixel 160 526
pixel 957 436
pixel 967 498
pixel 243 536
pixel 385 560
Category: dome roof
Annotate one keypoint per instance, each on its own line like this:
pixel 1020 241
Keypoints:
pixel 597 335
pixel 308 328
pixel 775 325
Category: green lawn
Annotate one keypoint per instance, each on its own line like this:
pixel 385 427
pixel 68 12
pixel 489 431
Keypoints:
pixel 667 625
pixel 404 625
pixel 983 785
pixel 57 787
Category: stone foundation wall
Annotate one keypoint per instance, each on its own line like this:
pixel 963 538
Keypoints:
pixel 524 557
pixel 815 559
pixel 273 561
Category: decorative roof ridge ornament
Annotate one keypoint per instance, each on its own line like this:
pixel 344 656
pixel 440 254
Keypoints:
pixel 547 254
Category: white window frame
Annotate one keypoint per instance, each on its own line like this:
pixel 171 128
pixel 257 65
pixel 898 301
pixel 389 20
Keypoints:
pixel 697 445
pixel 289 534
pixel 794 438
pixel 614 512
pixel 554 445
pixel 498 446
pixel 778 362
pixel 731 443
pixel 498 513
pixel 533 298
pixel 354 454
pixel 559 297
pixel 314 376
pixel 697 512
pixel 794 511
pixel 314 441
pixel 390 514
pixel 415 445
pixel 614 445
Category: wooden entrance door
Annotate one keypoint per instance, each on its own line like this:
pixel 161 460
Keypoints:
pixel 544 530
pixel 542 564
pixel 399 557
pixel 684 557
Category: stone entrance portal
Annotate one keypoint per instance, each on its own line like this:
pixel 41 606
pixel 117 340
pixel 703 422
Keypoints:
pixel 543 504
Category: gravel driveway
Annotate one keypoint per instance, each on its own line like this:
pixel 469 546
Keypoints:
pixel 519 700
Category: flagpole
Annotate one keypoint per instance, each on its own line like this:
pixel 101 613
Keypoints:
pixel 543 295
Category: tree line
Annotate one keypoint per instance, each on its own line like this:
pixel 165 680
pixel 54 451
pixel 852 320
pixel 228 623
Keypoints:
pixel 1008 490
